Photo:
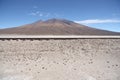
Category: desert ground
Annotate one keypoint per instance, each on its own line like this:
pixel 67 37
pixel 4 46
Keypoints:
pixel 60 59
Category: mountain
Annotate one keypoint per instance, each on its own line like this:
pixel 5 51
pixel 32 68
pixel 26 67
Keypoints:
pixel 55 27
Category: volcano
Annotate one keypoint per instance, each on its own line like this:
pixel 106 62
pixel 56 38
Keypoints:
pixel 55 27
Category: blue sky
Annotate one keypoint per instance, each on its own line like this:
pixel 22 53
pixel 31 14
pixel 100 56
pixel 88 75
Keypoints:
pixel 103 14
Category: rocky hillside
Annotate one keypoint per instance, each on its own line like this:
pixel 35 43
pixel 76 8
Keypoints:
pixel 56 27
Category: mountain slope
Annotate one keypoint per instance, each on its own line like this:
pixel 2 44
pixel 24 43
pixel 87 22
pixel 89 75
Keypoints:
pixel 56 27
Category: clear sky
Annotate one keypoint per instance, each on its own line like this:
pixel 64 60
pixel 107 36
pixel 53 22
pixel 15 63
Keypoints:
pixel 103 14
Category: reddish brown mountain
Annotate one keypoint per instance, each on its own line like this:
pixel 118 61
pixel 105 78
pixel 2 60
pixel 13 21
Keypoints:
pixel 56 27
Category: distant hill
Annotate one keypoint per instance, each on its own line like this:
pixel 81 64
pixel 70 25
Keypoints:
pixel 55 27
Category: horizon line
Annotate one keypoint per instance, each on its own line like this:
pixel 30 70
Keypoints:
pixel 59 37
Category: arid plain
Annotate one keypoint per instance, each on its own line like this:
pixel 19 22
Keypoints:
pixel 60 59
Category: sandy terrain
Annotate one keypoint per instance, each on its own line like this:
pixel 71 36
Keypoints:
pixel 74 59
